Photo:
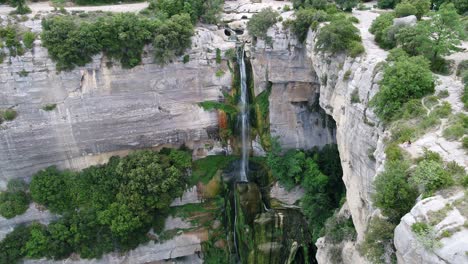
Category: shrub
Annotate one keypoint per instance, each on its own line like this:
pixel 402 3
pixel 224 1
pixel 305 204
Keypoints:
pixel 426 235
pixel 338 229
pixel 9 114
pixel 12 246
pixel 464 96
pixel 384 4
pixel 355 97
pixel 393 152
pixel 28 39
pixel 443 94
pixel 454 132
pixel 218 56
pixel 13 203
pixel 51 188
pixel 422 7
pixel 186 58
pixel 355 49
pixel 49 107
pixel 346 75
pixel 403 80
pixel 259 23
pixel 411 109
pixel 339 36
pixel 219 73
pixel 378 241
pixel 346 5
pixel 462 67
pixel 431 176
pixel 443 110
pixel 305 19
pixel 403 133
pixel 405 9
pixel 465 142
pixel 380 27
pixel 393 194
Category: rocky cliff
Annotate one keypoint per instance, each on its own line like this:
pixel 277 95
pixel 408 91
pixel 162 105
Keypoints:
pixel 102 109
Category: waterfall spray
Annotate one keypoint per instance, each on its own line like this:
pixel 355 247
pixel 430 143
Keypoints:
pixel 244 116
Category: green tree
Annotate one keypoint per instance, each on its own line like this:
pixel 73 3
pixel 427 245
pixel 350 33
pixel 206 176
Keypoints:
pixel 445 31
pixel 13 203
pixel 414 40
pixel 380 28
pixel 422 7
pixel 259 23
pixel 305 19
pixel 386 4
pixel 172 38
pixel 38 244
pixel 346 5
pixel 393 194
pixel 51 188
pixel 12 246
pixel 338 36
pixel 405 79
pixel 378 242
pixel 405 9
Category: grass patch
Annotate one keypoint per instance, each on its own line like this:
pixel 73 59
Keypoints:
pixel 9 114
pixel 355 97
pixel 457 128
pixel 204 169
pixel 443 94
pixel 219 73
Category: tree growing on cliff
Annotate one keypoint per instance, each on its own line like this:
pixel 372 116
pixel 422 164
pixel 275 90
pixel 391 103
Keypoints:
pixel 259 23
pixel 393 194
pixel 403 80
pixel 339 36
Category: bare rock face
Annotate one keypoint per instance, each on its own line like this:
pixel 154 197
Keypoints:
pixel 447 215
pixel 103 109
pixel 295 115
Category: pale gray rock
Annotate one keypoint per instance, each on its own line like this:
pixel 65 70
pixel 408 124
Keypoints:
pixel 33 214
pixel 451 249
pixel 190 196
pixel 405 21
pixel 287 197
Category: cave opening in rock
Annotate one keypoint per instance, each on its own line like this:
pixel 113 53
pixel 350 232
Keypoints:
pixel 227 32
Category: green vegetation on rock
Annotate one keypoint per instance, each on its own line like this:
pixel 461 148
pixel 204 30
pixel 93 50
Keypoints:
pixel 404 79
pixel 260 22
pixel 107 207
pixel 15 200
pixel 339 36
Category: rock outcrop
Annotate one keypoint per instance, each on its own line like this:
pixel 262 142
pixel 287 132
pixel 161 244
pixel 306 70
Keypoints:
pixel 447 241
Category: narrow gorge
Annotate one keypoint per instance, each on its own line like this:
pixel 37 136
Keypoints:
pixel 256 142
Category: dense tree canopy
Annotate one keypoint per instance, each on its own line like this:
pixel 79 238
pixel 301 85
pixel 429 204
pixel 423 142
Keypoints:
pixel 105 207
pixel 393 194
pixel 318 172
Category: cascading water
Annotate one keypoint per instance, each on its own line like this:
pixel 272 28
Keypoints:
pixel 244 116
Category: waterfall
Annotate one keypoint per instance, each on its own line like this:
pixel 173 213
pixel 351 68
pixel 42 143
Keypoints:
pixel 244 116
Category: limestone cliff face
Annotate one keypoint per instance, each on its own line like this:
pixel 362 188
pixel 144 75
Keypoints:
pixel 299 74
pixel 103 109
pixel 295 115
